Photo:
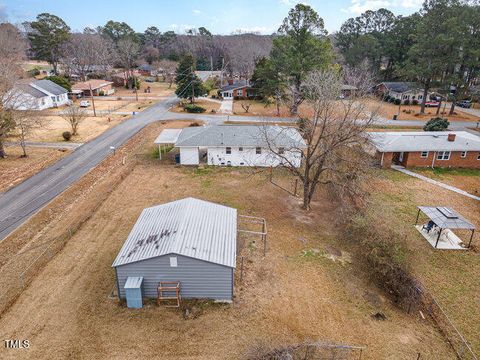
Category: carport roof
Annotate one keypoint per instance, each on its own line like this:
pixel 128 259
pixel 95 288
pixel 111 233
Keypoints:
pixel 446 218
pixel 168 136
pixel 189 227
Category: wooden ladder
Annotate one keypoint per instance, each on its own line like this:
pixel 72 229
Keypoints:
pixel 169 286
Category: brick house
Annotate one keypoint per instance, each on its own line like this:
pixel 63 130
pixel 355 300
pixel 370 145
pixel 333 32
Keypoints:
pixel 239 90
pixel 401 90
pixel 96 86
pixel 427 149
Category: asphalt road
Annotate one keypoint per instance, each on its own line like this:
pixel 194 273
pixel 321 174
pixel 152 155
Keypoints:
pixel 25 199
pixel 18 204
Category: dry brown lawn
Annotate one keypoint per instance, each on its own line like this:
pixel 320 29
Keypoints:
pixel 412 112
pixel 90 127
pixel 450 275
pixel 210 106
pixel 14 169
pixel 157 89
pixel 465 179
pixel 296 293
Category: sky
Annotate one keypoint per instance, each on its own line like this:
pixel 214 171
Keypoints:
pixel 219 16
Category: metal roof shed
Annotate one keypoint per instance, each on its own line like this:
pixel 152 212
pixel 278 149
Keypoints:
pixel 444 218
pixel 190 241
pixel 166 137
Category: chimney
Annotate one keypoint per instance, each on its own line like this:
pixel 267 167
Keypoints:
pixel 230 81
pixel 451 137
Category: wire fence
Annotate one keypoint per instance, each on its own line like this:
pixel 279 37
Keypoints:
pixel 423 302
pixel 19 271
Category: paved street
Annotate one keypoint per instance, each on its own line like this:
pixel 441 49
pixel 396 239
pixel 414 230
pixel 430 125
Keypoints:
pixel 24 200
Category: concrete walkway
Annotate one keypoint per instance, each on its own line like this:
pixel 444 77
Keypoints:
pixel 434 182
pixel 226 107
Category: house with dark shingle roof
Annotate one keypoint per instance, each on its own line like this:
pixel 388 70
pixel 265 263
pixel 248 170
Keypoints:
pixel 36 95
pixel 406 92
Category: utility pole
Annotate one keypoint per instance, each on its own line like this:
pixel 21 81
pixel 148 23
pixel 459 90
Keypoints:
pixel 93 100
pixel 193 86
pixel 135 87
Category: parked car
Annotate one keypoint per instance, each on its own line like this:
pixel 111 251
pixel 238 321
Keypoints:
pixel 84 103
pixel 467 104
pixel 432 103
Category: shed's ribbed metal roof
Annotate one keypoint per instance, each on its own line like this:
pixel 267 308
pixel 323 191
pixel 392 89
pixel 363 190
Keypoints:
pixel 241 135
pixel 424 141
pixel 446 217
pixel 189 227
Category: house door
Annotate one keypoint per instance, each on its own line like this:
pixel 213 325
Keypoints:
pixel 400 157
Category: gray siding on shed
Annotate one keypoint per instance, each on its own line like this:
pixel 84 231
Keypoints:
pixel 199 279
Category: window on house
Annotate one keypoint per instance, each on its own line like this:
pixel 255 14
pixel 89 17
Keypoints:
pixel 240 148
pixel 258 150
pixel 281 150
pixel 424 154
pixel 53 98
pixel 413 97
pixel 443 155
pixel 478 157
pixel 173 261
pixel 420 97
pixel 463 154
pixel 229 150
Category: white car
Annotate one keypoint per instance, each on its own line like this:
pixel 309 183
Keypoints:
pixel 84 103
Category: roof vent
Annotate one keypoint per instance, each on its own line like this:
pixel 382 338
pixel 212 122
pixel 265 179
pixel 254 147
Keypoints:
pixel 451 137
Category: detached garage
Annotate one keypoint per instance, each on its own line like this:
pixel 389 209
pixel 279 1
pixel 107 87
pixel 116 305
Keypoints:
pixel 188 242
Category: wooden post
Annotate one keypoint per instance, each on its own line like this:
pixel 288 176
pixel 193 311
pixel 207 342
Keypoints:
pixel 93 100
pixel 296 187
pixel 241 271
pixel 418 214
pixel 160 151
pixel 438 237
pixel 264 239
pixel 471 238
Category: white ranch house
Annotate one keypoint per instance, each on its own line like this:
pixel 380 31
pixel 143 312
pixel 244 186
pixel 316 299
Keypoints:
pixel 236 145
pixel 37 95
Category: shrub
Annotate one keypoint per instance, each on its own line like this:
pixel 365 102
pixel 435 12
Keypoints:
pixel 391 100
pixel 192 108
pixel 67 135
pixel 194 124
pixel 101 93
pixel 397 101
pixel 34 72
pixel 436 124
pixel 406 102
pixel 415 102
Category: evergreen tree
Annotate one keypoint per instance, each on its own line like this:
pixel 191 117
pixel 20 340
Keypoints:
pixel 47 36
pixel 188 84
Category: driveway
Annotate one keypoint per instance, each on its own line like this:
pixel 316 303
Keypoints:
pixel 226 107
pixel 18 204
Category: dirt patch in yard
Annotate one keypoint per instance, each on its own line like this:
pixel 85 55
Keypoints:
pixel 284 298
pixel 14 169
pixel 157 89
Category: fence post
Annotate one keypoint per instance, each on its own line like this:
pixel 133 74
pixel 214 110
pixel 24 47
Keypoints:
pixel 241 271
pixel 418 356
pixel 296 186
pixel 21 281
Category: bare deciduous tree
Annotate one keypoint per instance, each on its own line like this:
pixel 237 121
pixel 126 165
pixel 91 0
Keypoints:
pixel 335 134
pixel 74 115
pixel 85 53
pixel 167 69
pixel 12 52
pixel 26 122
pixel 245 106
pixel 127 53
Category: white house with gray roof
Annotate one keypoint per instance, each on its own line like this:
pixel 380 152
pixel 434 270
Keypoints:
pixel 190 241
pixel 402 90
pixel 239 145
pixel 37 95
